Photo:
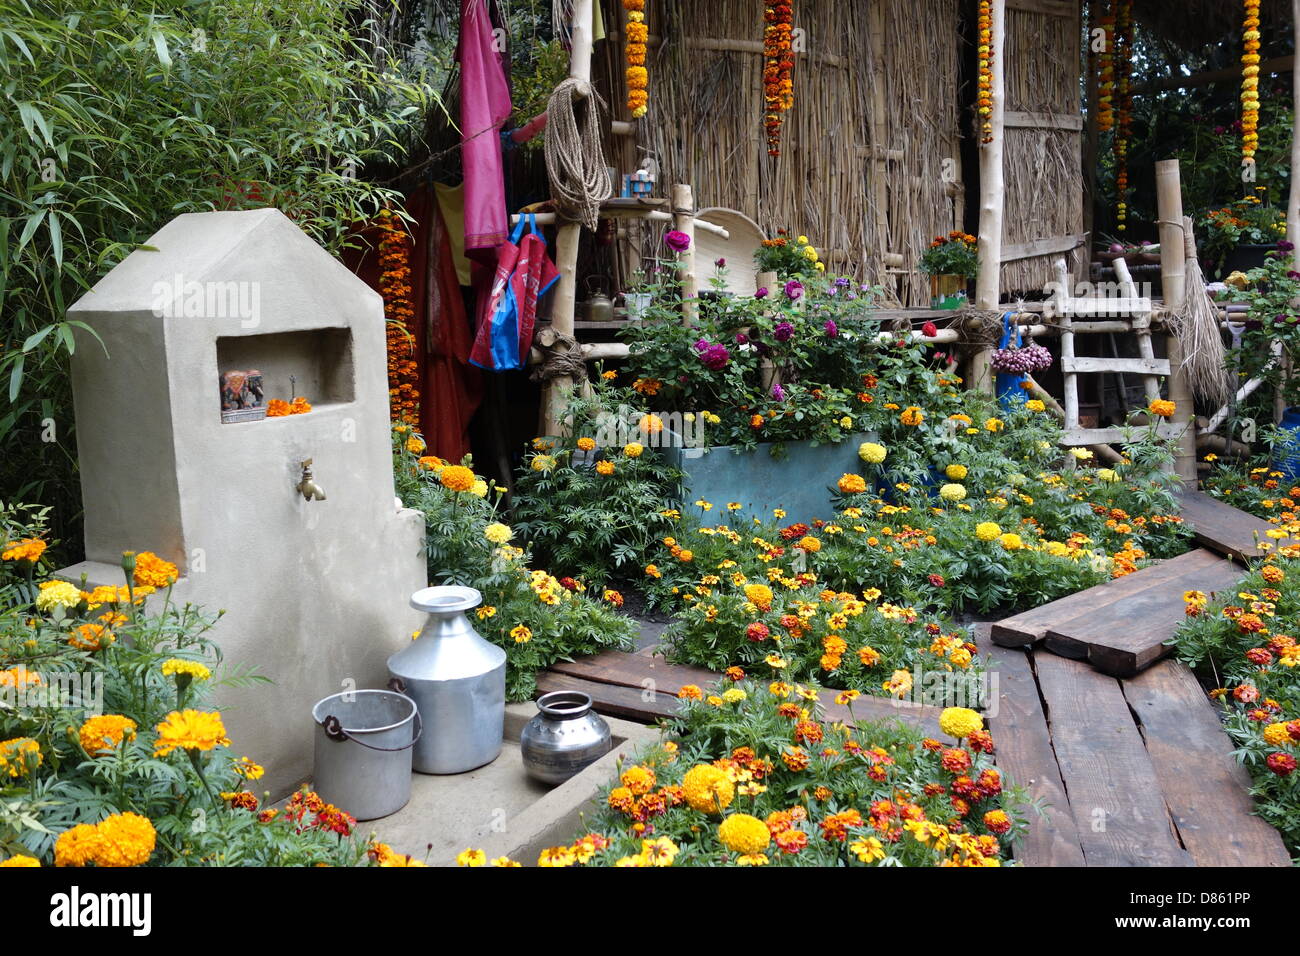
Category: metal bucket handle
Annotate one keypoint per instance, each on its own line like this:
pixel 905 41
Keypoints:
pixel 334 729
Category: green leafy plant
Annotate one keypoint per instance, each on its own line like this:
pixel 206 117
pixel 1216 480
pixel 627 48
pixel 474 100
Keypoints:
pixel 788 258
pixel 956 254
pixel 537 618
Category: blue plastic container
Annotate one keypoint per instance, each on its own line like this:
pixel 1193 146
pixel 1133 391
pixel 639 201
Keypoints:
pixel 1286 457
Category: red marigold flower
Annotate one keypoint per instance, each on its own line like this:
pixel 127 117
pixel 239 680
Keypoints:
pixel 981 742
pixel 955 760
pixel 757 632
pixel 808 732
pixel 734 673
pixel 1261 656
pixel 1246 693
pixel 929 330
pixel 997 821
pixel 791 841
pixel 1281 764
pixel 936 580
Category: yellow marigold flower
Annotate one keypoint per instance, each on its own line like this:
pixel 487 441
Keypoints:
pixel 1082 454
pixel 1107 474
pixel 20 861
pixel 1034 405
pixel 77 846
pixel 28 549
pixel 521 633
pixel 987 530
pixel 633 449
pixel 587 444
pixel 960 722
pixel 18 755
pixel 733 695
pixel 460 478
pixel 430 462
pixel 125 839
pixel 152 571
pixel 248 769
pixel 872 453
pixel 505 861
pixel 1277 735
pixel 867 849
pixel 708 789
pixel 479 489
pixel 471 857
pixel 103 733
pixel 952 492
pixel 650 424
pixel 660 852
pixel 176 667
pixel 190 730
pixel 760 595
pixel 90 637
pixel 605 467
pixel 743 833
pixel 850 484
pixel 498 533
pixel 956 472
pixel 57 594
pixel 638 779
pixel 415 444
pixel 912 415
pixel 1011 541
pixel 556 856
pixel 1162 408
pixel 994 425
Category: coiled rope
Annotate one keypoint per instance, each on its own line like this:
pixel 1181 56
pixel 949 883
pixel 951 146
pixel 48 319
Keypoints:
pixel 575 162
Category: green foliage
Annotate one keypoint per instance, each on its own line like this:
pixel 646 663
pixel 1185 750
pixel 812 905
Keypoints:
pixel 769 369
pixel 198 801
pixel 117 118
pixel 788 258
pixel 536 618
pixel 1246 221
pixel 956 254
pixel 1242 644
pixel 595 512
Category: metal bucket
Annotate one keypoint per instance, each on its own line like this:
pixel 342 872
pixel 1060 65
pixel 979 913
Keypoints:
pixel 364 740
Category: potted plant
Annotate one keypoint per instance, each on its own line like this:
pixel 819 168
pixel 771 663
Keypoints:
pixel 950 262
pixel 781 258
pixel 1239 235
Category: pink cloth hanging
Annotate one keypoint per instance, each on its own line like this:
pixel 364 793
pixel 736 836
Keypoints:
pixel 484 109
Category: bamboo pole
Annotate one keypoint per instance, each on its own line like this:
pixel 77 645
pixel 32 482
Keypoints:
pixel 1173 264
pixel 684 221
pixel 1292 208
pixel 569 234
pixel 992 203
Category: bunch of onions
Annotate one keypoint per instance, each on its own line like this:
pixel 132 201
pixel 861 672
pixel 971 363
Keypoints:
pixel 1021 361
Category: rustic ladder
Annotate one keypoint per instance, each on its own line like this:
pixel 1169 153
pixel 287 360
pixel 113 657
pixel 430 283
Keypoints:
pixel 1146 365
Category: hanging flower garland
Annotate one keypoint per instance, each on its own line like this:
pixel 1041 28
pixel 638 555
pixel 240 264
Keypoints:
pixel 395 287
pixel 1124 114
pixel 638 34
pixel 1250 82
pixel 778 69
pixel 984 105
pixel 1106 70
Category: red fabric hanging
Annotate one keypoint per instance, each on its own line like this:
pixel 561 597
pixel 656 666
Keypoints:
pixel 450 389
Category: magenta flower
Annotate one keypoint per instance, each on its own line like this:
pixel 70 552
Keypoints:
pixel 783 332
pixel 761 293
pixel 676 240
pixel 794 290
pixel 778 392
pixel 831 328
pixel 720 263
pixel 714 355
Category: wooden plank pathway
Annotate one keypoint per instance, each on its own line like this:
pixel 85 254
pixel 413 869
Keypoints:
pixel 1131 773
pixel 1220 527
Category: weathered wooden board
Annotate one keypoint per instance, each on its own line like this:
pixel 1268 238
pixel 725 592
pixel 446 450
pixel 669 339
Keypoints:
pixel 1220 527
pixel 1029 627
pixel 636 671
pixel 1135 366
pixel 1206 790
pixel 1072 437
pixel 1025 755
pixel 1119 813
pixel 1122 638
pixel 615 700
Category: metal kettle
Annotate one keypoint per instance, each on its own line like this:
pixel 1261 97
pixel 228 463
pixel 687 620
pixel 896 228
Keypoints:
pixel 599 306
pixel 458 683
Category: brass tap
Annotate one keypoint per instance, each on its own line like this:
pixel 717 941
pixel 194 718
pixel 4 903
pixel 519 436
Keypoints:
pixel 307 487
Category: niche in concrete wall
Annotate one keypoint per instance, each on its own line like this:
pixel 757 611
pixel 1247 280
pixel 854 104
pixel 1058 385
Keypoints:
pixel 314 363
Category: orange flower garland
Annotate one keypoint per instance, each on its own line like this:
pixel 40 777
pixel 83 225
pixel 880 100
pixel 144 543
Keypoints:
pixel 778 69
pixel 984 104
pixel 395 287
pixel 634 52
pixel 1250 82
pixel 1124 115
pixel 1106 74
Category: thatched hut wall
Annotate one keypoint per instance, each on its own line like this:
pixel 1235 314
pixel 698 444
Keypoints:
pixel 870 165
pixel 1042 165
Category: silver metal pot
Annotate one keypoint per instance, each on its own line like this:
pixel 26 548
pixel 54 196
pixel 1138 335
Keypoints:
pixel 458 682
pixel 565 737
pixel 363 751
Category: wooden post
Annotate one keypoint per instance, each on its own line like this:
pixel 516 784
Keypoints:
pixel 569 234
pixel 1292 212
pixel 992 201
pixel 1173 263
pixel 684 221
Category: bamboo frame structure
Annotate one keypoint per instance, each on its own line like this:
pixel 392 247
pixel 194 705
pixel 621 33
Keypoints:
pixel 992 198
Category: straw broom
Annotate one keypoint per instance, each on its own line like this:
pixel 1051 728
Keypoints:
pixel 1196 324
